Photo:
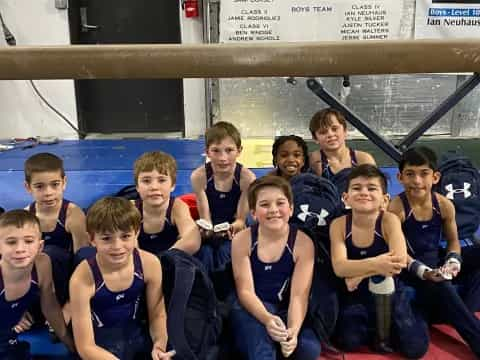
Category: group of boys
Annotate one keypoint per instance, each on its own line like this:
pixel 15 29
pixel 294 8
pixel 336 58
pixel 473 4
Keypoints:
pixel 109 288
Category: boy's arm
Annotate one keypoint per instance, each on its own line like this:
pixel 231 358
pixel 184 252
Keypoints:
pixel 199 183
pixel 155 302
pixel 48 302
pixel 242 274
pixel 301 283
pixel 315 162
pixel 449 224
pixel 394 236
pixel 364 158
pixel 246 178
pixel 82 289
pixel 385 264
pixel 189 240
pixel 76 225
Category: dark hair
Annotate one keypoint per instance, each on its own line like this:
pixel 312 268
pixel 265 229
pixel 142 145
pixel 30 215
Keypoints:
pixel 418 156
pixel 369 171
pixel 300 142
pixel 111 214
pixel 323 119
pixel 268 180
pixel 220 131
pixel 42 162
pixel 18 218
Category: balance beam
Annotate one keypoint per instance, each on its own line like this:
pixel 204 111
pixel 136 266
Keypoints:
pixel 161 61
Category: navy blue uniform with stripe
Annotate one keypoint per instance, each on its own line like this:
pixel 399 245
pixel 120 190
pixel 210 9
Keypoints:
pixel 356 320
pixel 438 301
pixel 223 208
pixel 327 171
pixel 272 282
pixel 12 311
pixel 115 314
pixel 157 243
pixel 59 247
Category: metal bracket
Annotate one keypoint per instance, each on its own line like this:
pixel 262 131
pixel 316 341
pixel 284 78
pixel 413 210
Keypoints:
pixel 395 151
pixel 354 119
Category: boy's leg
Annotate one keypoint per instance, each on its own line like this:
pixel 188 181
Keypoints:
pixel 352 326
pixel 409 326
pixel 250 336
pixel 469 278
pixel 308 345
pixel 205 255
pixel 445 302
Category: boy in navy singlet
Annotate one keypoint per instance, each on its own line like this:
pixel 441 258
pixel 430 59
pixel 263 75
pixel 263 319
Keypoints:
pixel 25 277
pixel 220 186
pixel 329 131
pixel 109 288
pixel 166 220
pixel 368 244
pixel 425 215
pixel 62 222
pixel 273 268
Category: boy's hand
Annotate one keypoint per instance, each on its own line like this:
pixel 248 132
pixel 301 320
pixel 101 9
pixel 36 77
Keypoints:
pixel 277 329
pixel 289 346
pixel 433 275
pixel 159 354
pixel 24 324
pixel 389 264
pixel 237 226
pixel 353 282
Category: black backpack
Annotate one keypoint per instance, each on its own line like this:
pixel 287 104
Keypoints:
pixel 316 204
pixel 460 182
pixel 193 323
pixel 128 192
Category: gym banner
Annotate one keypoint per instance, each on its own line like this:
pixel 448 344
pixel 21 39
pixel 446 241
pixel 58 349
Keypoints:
pixel 309 20
pixel 441 19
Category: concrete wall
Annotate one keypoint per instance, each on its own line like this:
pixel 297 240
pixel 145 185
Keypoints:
pixel 38 22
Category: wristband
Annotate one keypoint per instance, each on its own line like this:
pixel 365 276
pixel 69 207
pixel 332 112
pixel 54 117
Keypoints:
pixel 418 268
pixel 454 257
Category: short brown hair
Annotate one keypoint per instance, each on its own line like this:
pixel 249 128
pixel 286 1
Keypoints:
pixel 156 160
pixel 42 162
pixel 220 131
pixel 268 180
pixel 111 214
pixel 324 118
pixel 18 218
pixel 369 171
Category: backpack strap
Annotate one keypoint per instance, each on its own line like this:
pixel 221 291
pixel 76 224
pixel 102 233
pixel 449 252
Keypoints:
pixel 184 279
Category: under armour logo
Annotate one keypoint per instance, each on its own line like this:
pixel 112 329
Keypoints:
pixel 424 226
pixel 268 267
pixel 120 296
pixel 320 217
pixel 47 237
pixel 222 196
pixel 363 252
pixel 153 236
pixel 14 305
pixel 451 191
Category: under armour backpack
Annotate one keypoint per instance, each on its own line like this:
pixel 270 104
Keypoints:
pixel 460 182
pixel 128 192
pixel 193 322
pixel 316 203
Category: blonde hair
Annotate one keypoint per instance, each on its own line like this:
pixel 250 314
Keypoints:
pixel 156 160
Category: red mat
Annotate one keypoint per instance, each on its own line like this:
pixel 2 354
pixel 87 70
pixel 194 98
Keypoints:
pixel 445 344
